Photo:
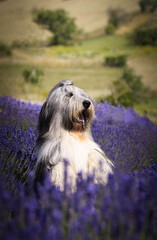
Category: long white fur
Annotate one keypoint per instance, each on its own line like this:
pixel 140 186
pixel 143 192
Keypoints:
pixel 77 147
pixel 83 156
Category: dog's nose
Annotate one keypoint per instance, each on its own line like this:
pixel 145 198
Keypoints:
pixel 86 104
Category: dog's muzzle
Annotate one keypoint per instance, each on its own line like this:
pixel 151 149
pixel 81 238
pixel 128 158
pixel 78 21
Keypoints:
pixel 84 115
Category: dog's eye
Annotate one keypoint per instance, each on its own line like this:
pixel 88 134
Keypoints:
pixel 70 94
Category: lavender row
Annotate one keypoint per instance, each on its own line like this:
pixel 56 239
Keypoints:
pixel 124 209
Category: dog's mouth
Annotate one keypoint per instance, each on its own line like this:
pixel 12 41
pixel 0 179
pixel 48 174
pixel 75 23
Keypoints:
pixel 82 119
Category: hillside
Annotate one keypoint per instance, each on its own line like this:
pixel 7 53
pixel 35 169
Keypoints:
pixel 83 63
pixel 16 16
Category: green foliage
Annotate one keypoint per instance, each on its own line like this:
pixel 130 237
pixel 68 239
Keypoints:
pixel 148 5
pixel 59 23
pixel 117 16
pixel 146 36
pixel 32 75
pixel 4 50
pixel 109 98
pixel 122 94
pixel 110 29
pixel 116 61
pixel 126 99
pixel 132 80
pixel 127 90
pixel 114 18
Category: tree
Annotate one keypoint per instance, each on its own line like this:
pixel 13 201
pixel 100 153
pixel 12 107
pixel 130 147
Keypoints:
pixel 59 23
pixel 5 50
pixel 116 17
pixel 127 90
pixel 148 5
pixel 32 75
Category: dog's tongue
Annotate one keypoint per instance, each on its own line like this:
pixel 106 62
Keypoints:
pixel 83 121
pixel 83 124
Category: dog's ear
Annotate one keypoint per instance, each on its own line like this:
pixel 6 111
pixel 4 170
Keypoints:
pixel 48 109
pixel 45 116
pixel 44 119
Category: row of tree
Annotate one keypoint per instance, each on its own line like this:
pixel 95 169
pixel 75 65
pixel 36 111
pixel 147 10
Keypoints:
pixel 65 31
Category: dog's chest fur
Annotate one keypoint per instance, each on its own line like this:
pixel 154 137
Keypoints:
pixel 76 148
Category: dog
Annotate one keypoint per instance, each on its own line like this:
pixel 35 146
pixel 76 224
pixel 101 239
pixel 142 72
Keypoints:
pixel 64 127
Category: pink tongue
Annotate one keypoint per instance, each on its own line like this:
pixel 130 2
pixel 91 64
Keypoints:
pixel 83 124
pixel 83 121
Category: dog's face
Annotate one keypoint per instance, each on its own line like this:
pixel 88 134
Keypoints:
pixel 69 104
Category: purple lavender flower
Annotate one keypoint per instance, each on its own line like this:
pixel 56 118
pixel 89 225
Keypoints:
pixel 123 209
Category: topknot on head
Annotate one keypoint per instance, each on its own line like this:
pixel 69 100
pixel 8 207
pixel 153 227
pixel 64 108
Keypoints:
pixel 62 83
pixel 66 82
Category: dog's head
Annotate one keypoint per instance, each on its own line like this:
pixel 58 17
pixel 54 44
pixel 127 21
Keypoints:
pixel 67 105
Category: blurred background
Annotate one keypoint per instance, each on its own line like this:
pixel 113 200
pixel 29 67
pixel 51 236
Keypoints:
pixel 106 47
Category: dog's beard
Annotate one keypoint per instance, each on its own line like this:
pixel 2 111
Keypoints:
pixel 81 120
pixel 76 116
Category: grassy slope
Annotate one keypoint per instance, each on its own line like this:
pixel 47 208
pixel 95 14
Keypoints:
pixel 16 16
pixel 82 63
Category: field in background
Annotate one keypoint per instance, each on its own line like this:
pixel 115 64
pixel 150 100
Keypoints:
pixel 16 16
pixel 82 63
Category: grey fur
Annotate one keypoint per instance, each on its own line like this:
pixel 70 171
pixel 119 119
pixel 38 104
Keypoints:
pixel 56 113
pixel 65 132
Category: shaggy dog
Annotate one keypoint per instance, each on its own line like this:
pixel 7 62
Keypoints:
pixel 65 133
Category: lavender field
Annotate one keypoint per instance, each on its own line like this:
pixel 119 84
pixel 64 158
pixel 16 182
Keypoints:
pixel 126 208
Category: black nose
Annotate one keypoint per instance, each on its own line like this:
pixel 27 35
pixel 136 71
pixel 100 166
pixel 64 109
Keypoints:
pixel 86 104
